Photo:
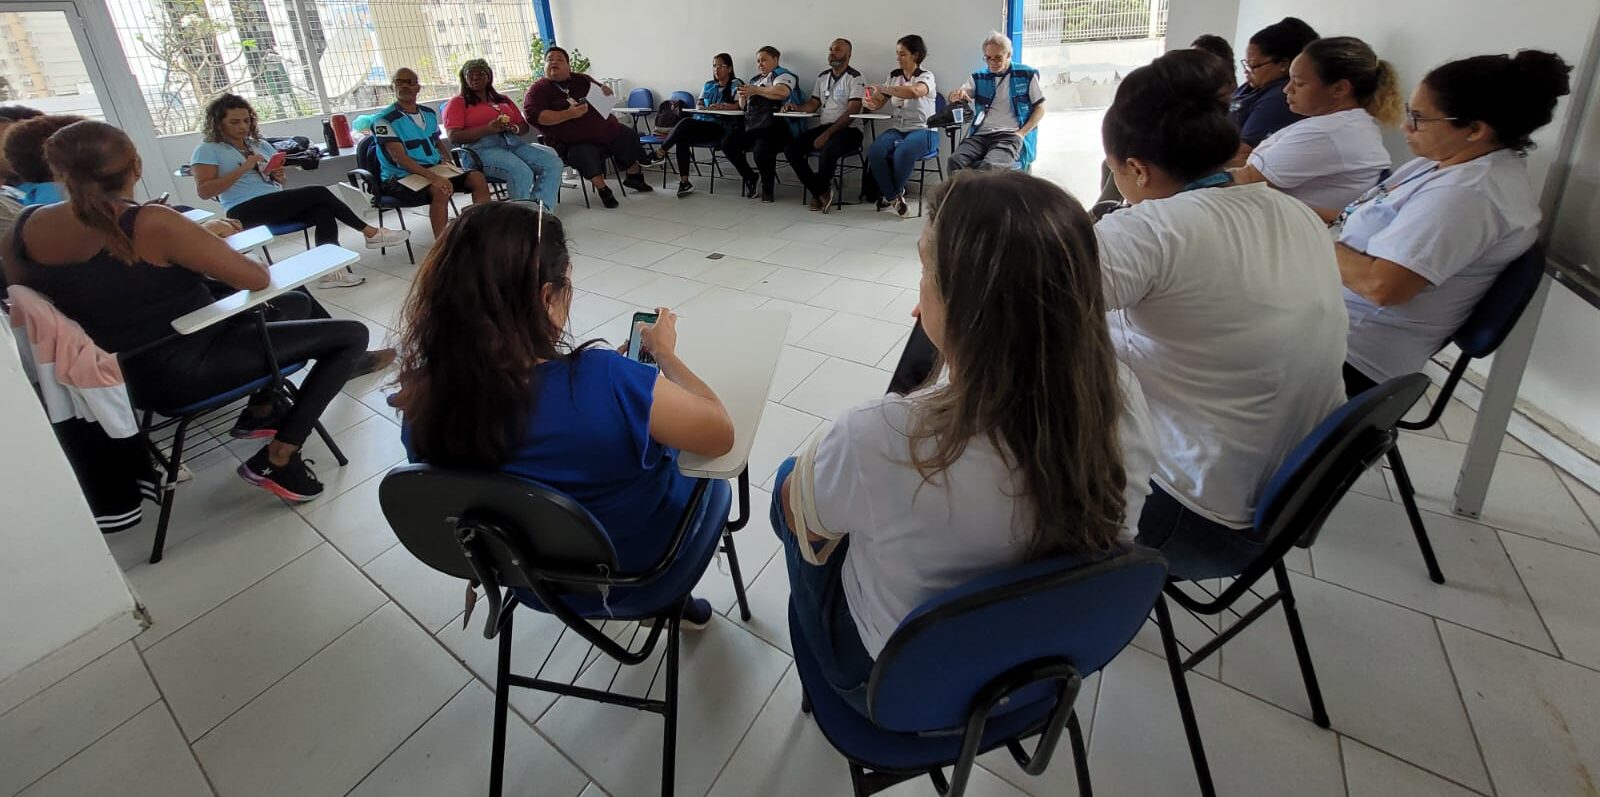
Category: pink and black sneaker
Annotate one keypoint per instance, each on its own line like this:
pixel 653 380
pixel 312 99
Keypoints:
pixel 292 482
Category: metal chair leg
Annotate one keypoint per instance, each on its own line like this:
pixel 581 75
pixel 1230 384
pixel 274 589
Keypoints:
pixel 1408 498
pixel 939 783
pixel 669 736
pixel 738 578
pixel 502 693
pixel 169 490
pixel 1080 755
pixel 1180 690
pixel 1297 633
pixel 333 448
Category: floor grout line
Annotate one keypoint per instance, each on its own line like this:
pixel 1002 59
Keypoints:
pixel 1461 695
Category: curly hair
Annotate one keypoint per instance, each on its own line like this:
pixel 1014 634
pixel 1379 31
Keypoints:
pixel 218 109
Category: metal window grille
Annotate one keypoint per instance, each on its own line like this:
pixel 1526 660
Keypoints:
pixel 295 58
pixel 1046 22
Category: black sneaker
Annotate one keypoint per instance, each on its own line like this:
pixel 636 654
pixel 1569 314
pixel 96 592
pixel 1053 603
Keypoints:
pixel 766 193
pixel 749 188
pixel 827 202
pixel 637 183
pixel 685 188
pixel 253 427
pixel 607 198
pixel 372 362
pixel 293 482
pixel 881 204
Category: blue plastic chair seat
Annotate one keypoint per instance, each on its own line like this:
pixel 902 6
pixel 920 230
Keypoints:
pixel 860 740
pixel 652 139
pixel 222 399
pixel 287 227
pixel 650 600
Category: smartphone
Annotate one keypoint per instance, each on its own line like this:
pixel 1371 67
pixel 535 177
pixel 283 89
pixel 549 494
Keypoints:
pixel 273 163
pixel 635 346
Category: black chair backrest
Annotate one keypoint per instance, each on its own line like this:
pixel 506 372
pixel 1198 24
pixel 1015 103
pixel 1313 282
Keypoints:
pixel 367 157
pixel 1497 312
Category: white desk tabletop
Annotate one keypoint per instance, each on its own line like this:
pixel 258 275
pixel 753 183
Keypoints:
pixel 626 109
pixel 736 353
pixel 871 116
pixel 198 215
pixel 249 240
pixel 718 111
pixel 795 114
pixel 286 276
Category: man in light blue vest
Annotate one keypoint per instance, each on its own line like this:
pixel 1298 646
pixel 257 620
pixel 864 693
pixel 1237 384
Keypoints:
pixel 1008 105
pixel 407 134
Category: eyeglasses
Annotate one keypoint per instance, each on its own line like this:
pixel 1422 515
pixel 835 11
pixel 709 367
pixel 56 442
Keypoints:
pixel 406 82
pixel 1249 67
pixel 1415 119
pixel 995 59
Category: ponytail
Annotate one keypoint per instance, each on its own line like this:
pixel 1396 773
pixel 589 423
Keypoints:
pixel 1385 104
pixel 95 161
pixel 1373 81
pixel 100 210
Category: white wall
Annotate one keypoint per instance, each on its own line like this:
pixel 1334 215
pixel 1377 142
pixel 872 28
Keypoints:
pixel 58 582
pixel 1187 19
pixel 625 41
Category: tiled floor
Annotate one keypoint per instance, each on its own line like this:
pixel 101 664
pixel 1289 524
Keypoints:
pixel 299 651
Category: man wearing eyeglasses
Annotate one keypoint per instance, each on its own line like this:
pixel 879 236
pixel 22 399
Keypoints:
pixel 1008 105
pixel 407 134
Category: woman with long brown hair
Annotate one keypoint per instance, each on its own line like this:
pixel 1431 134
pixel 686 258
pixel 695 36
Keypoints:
pixel 1033 444
pixel 490 381
pixel 124 271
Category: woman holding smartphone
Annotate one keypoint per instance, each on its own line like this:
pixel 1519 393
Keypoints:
pixel 490 380
pixel 230 166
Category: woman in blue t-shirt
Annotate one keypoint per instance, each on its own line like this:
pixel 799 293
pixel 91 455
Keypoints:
pixel 489 380
pixel 230 167
pixel 1259 106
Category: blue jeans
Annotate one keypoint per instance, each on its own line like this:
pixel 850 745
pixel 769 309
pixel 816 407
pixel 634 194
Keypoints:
pixel 1195 548
pixel 530 171
pixel 817 594
pixel 894 155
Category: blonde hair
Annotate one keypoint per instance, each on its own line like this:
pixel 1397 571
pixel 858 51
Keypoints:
pixel 1374 81
pixel 95 161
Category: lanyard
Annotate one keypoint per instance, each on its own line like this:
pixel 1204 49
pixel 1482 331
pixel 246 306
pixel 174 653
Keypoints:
pixel 1209 181
pixel 1380 192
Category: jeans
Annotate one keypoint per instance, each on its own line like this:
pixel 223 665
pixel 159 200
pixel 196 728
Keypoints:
pixel 894 155
pixel 817 594
pixel 530 171
pixel 1195 548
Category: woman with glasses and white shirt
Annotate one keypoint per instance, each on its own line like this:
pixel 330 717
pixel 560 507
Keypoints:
pixel 1333 155
pixel 1417 253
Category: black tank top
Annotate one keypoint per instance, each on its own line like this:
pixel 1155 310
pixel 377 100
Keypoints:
pixel 121 305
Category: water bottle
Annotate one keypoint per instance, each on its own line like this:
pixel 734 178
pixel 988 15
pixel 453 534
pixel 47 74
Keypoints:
pixel 328 137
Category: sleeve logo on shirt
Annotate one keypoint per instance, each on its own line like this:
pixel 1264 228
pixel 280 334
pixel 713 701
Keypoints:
pixel 380 130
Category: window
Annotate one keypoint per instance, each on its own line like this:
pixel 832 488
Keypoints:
pixel 278 53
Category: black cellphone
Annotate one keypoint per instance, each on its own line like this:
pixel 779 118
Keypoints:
pixel 635 347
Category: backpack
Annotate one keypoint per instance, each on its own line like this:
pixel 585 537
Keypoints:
pixel 668 114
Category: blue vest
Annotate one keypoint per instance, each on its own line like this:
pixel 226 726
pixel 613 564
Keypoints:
pixel 422 145
pixel 797 96
pixel 983 85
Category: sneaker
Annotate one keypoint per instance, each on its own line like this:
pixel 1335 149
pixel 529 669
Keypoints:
pixel 749 188
pixel 372 362
pixel 292 482
pixel 827 201
pixel 766 193
pixel 387 237
pixel 637 183
pixel 696 614
pixel 816 203
pixel 343 278
pixel 607 198
pixel 252 427
pixel 901 207
pixel 882 203
pixel 685 188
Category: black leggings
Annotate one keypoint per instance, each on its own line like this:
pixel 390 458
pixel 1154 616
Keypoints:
pixel 230 354
pixel 1355 382
pixel 314 205
pixel 589 158
pixel 691 133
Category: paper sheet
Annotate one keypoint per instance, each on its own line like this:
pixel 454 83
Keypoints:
pixel 600 101
pixel 417 182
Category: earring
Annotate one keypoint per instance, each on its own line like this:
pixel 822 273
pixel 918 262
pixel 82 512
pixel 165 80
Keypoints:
pixel 1141 181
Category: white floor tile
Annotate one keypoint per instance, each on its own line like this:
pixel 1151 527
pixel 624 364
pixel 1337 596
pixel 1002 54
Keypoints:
pixel 1536 716
pixel 584 266
pixel 372 447
pixel 856 338
pixel 719 301
pixel 144 757
pixel 755 544
pixel 589 310
pixel 214 498
pixel 1564 584
pixel 1525 495
pixel 901 245
pixel 862 239
pixel 380 299
pixel 642 254
pixel 737 273
pixel 726 676
pixel 906 273
pixel 768 593
pixel 534 634
pixel 429 596
pixel 664 291
pixel 1587 498
pixel 808 231
pixel 859 264
pixel 449 757
pixel 792 284
pixel 837 385
pixel 1370 773
pixel 57 723
pixel 1384 677
pixel 898 310
pixel 801 254
pixel 1139 748
pixel 1457 422
pixel 783 429
pixel 598 243
pixel 891 359
pixel 803 318
pixel 854 296
pixel 1367 545
pixel 618 280
pixel 686 263
pixel 794 365
pixel 752 247
pixel 344 412
pixel 706 239
pixel 354 522
pixel 329 723
pixel 1062 776
pixel 218 663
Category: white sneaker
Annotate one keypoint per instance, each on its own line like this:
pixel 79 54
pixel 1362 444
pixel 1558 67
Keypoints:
pixel 387 237
pixel 343 278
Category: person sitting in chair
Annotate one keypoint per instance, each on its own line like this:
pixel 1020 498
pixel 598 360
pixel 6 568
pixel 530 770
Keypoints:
pixel 773 89
pixel 601 428
pixel 837 96
pixel 1008 107
pixel 1020 452
pixel 719 93
pixel 557 105
pixel 910 96
pixel 407 136
pixel 491 125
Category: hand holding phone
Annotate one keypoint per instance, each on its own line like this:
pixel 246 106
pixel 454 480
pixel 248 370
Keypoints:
pixel 653 334
pixel 636 349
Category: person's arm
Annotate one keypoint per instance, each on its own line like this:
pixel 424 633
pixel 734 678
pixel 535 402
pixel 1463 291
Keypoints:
pixel 844 120
pixel 964 92
pixel 811 537
pixel 1382 282
pixel 912 91
pixel 454 120
pixel 1247 174
pixel 397 153
pixel 177 241
pixel 1132 259
pixel 1034 119
pixel 779 90
pixel 210 181
pixel 686 413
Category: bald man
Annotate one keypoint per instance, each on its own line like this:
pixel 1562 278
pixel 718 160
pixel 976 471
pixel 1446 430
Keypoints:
pixel 407 134
pixel 836 98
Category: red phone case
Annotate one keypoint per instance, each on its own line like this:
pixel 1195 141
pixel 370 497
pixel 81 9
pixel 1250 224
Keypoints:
pixel 273 163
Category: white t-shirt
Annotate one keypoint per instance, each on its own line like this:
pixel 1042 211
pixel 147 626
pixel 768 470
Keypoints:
pixel 770 79
pixel 1324 161
pixel 911 114
pixel 1457 227
pixel 836 92
pixel 911 541
pixel 1001 117
pixel 1225 302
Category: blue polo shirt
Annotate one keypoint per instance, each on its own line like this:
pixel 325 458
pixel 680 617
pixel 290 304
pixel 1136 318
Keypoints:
pixel 1261 112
